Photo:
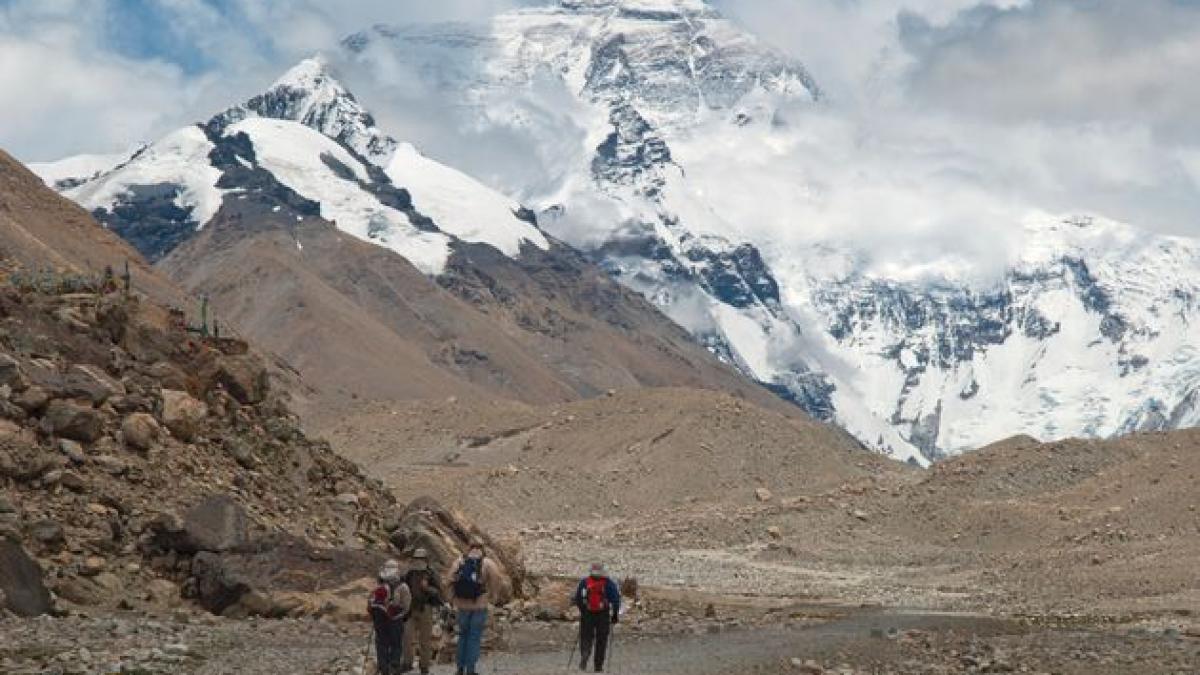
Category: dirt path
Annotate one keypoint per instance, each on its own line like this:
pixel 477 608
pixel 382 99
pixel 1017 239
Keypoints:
pixel 860 642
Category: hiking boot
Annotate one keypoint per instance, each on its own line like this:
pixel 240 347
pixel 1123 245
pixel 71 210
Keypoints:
pixel 583 665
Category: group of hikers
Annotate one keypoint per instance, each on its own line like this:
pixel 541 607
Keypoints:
pixel 403 607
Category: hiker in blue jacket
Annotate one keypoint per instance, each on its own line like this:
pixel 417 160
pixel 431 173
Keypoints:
pixel 599 601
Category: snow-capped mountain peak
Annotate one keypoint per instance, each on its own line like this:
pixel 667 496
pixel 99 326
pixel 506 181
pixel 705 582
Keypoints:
pixel 309 93
pixel 304 147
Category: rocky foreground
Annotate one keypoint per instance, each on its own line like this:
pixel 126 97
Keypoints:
pixel 144 468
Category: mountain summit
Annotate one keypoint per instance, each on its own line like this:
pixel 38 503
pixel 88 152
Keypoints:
pixel 311 95
pixel 690 118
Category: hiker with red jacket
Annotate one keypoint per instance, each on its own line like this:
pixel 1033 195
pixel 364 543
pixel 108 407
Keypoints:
pixel 599 601
pixel 388 606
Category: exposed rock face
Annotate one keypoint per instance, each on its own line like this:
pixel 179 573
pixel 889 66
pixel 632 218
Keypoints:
pixel 22 590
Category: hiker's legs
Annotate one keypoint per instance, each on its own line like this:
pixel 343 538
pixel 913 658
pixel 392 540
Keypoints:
pixel 386 646
pixel 475 622
pixel 382 646
pixel 603 626
pixel 406 661
pixel 397 645
pixel 587 636
pixel 423 627
pixel 460 655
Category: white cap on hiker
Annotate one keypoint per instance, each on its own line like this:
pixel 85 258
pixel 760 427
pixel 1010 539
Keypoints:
pixel 597 569
pixel 390 570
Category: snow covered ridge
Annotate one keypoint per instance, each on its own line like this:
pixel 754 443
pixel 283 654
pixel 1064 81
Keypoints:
pixel 671 59
pixel 310 137
pixel 73 171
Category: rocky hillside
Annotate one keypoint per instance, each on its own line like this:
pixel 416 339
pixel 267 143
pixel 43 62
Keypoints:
pixel 128 447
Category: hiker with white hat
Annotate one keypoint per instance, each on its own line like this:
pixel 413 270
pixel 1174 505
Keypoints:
pixel 599 601
pixel 423 583
pixel 388 606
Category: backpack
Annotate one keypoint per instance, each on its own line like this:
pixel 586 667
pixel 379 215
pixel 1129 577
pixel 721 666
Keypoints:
pixel 595 593
pixel 379 606
pixel 468 583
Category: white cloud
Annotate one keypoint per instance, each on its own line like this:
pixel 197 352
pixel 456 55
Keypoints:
pixel 947 117
pixel 70 87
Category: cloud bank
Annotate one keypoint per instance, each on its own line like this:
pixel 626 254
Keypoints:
pixel 946 121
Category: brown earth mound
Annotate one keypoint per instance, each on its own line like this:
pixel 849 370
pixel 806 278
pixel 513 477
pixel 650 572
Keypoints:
pixel 635 452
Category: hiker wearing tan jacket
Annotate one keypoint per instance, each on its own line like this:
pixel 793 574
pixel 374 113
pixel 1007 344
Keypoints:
pixel 474 580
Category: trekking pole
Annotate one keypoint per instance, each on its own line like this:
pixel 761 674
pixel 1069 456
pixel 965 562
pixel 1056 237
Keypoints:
pixel 367 651
pixel 612 648
pixel 573 653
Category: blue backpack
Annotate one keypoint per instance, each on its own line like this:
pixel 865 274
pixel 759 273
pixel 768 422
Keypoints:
pixel 468 584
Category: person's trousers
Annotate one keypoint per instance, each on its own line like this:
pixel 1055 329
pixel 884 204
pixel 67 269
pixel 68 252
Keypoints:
pixel 594 628
pixel 418 637
pixel 471 623
pixel 389 638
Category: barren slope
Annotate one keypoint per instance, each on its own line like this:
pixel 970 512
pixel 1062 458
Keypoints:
pixel 39 229
pixel 361 323
pixel 637 453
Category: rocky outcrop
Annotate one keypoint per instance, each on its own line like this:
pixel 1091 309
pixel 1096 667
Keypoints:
pixel 274 577
pixel 444 534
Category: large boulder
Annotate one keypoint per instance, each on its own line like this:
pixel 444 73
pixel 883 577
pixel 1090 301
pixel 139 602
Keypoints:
pixel 182 414
pixel 244 377
pixel 217 524
pixel 283 576
pixel 73 421
pixel 218 586
pixel 444 534
pixel 21 583
pixel 140 431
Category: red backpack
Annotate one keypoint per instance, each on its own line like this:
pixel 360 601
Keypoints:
pixel 596 592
